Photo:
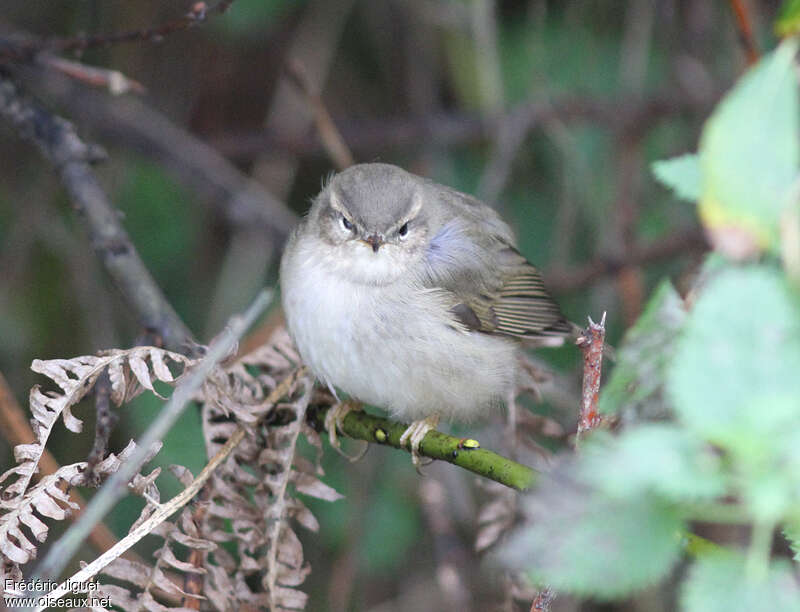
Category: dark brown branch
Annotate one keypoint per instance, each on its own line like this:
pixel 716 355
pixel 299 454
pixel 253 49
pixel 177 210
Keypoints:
pixel 57 141
pixel 240 199
pixel 16 50
pixel 105 421
pixel 680 243
pixel 368 136
pixel 111 80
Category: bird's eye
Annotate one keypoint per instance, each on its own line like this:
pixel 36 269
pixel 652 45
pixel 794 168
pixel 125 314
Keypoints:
pixel 346 224
pixel 403 230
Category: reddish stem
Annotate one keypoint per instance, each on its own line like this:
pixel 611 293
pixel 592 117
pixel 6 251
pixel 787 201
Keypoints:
pixel 543 600
pixel 591 343
pixel 745 31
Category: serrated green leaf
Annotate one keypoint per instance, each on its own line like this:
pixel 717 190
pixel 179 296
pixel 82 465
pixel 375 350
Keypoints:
pixel 722 584
pixel 681 174
pixel 579 541
pixel 791 531
pixel 660 459
pixel 750 154
pixel 634 390
pixel 735 370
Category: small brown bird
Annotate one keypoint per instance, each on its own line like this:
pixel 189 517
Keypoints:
pixel 413 297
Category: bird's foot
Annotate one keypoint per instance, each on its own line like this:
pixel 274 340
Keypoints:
pixel 334 420
pixel 415 434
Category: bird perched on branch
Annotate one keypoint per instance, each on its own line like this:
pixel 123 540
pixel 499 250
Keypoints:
pixel 412 297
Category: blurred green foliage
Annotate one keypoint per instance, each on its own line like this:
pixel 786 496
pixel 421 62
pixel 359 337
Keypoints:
pixel 725 374
pixel 579 194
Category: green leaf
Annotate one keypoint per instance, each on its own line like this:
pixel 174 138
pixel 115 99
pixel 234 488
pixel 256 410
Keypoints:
pixel 735 370
pixel 634 390
pixel 749 156
pixel 660 459
pixel 681 174
pixel 788 21
pixel 577 540
pixel 734 381
pixel 721 584
pixel 791 531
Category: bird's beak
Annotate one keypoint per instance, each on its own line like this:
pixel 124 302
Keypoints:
pixel 375 242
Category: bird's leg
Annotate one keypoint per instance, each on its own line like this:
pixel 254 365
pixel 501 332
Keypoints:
pixel 334 420
pixel 415 433
pixel 531 377
pixel 511 424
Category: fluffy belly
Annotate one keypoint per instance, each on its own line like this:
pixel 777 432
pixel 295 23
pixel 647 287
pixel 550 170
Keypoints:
pixel 395 347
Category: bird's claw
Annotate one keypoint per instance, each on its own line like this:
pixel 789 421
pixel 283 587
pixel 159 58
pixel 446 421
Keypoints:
pixel 334 420
pixel 415 433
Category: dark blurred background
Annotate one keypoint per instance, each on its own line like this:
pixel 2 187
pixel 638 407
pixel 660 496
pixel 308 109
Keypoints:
pixel 550 111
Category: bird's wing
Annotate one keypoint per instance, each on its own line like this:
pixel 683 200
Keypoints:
pixel 494 289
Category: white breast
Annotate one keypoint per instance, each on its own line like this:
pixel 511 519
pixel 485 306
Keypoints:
pixel 393 346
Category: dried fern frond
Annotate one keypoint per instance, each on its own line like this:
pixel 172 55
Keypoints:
pixel 130 373
pixel 249 501
pixel 243 386
pixel 49 498
pixel 23 505
pixel 251 495
pixel 253 502
pixel 150 584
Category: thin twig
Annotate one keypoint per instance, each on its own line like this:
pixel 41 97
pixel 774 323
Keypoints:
pixel 329 134
pixel 116 486
pixel 591 343
pixel 113 81
pixel 105 421
pixel 483 26
pixel 57 140
pixel 682 242
pixel 24 50
pixel 367 136
pixel 241 200
pixel 745 31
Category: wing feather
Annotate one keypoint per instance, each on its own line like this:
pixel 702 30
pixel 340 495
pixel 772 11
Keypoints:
pixel 494 289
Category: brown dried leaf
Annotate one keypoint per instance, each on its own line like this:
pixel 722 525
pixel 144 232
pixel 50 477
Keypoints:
pixel 299 512
pixel 489 534
pixel 289 599
pixel 75 378
pixel 166 555
pixel 314 487
pixel 219 588
pixel 497 516
pixel 46 498
pixel 129 571
pixel 119 596
pixel 183 475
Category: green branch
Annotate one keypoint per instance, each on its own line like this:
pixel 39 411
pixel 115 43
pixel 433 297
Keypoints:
pixel 361 425
pixel 436 445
